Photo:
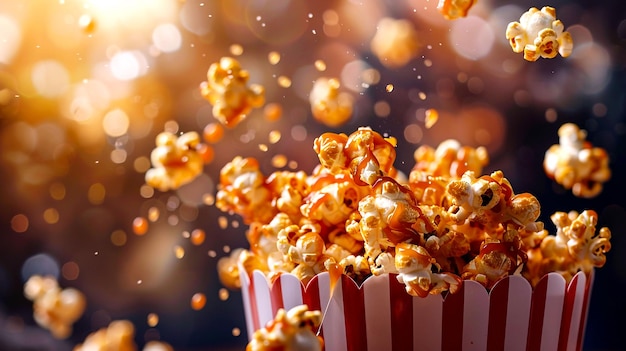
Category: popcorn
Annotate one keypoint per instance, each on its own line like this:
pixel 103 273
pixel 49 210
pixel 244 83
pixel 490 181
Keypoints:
pixel 453 9
pixel 450 159
pixel 227 90
pixel 175 160
pixel 395 42
pixel 228 269
pixel 539 34
pixel 54 308
pixel 388 217
pixel 415 270
pixel 575 247
pixel 440 226
pixel 496 260
pixel 365 153
pixel 575 164
pixel 303 248
pixel 289 331
pixel 243 190
pixel 118 336
pixel 328 105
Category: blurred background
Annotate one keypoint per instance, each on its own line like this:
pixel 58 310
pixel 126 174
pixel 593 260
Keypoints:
pixel 85 87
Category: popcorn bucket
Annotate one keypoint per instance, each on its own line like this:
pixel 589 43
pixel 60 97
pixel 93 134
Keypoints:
pixel 380 315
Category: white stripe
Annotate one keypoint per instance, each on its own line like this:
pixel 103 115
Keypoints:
pixel 263 300
pixel 427 322
pixel 553 312
pixel 245 295
pixel 291 291
pixel 577 311
pixel 333 325
pixel 591 278
pixel 377 312
pixel 475 316
pixel 517 313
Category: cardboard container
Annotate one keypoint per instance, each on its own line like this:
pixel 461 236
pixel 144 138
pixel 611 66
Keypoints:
pixel 380 315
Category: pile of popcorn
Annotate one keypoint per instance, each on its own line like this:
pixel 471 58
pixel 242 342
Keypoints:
pixel 447 222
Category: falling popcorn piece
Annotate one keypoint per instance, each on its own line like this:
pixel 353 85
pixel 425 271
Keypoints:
pixel 289 331
pixel 453 9
pixel 395 42
pixel 575 164
pixel 175 160
pixel 539 34
pixel 328 105
pixel 228 91
pixel 54 308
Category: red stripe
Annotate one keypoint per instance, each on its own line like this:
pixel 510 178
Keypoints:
pixel 537 307
pixel 276 295
pixel 354 315
pixel 498 305
pixel 253 306
pixel 401 305
pixel 583 316
pixel 311 298
pixel 566 319
pixel 452 324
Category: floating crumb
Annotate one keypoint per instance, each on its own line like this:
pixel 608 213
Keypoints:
pixel 284 81
pixel 431 117
pixel 213 133
pixel 320 65
pixel 140 226
pixel 197 237
pixel 198 300
pixel 236 49
pixel 152 320
pixel 179 252
pixel 274 136
pixel 273 57
pixel 153 214
pixel 223 294
pixel 273 111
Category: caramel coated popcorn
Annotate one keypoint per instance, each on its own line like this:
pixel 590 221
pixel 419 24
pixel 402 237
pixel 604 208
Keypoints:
pixel 453 9
pixel 54 308
pixel 444 224
pixel 395 43
pixel 329 105
pixel 228 91
pixel 175 160
pixel 293 330
pixel 539 34
pixel 577 246
pixel 575 164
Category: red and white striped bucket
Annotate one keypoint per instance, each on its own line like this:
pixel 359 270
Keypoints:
pixel 380 315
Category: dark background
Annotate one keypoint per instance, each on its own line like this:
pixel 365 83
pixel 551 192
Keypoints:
pixel 499 100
